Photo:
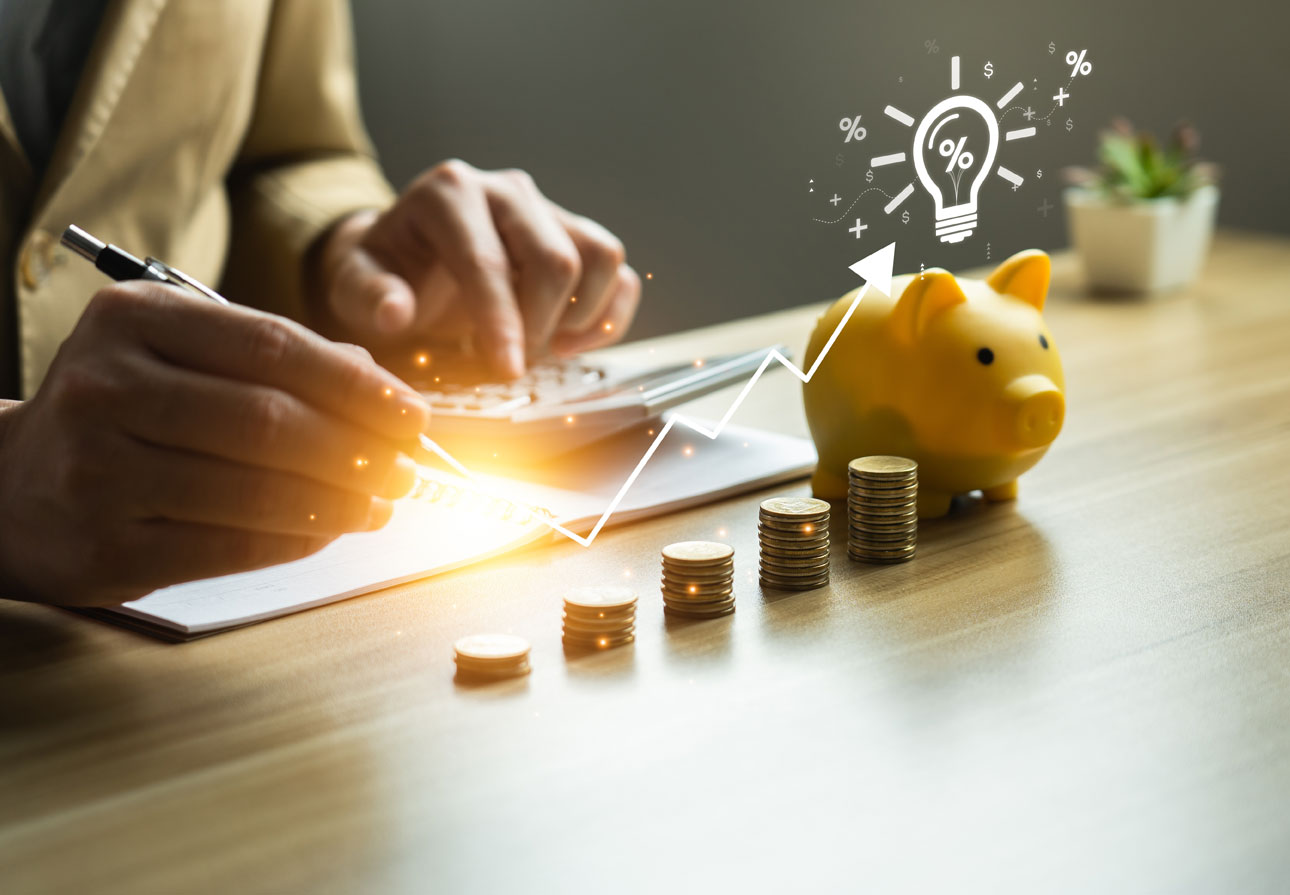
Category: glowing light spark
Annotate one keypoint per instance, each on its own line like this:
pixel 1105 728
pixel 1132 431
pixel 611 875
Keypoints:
pixel 698 362
pixel 389 392
pixel 693 589
pixel 649 276
pixel 875 269
pixel 604 641
pixel 313 517
pixel 808 528
pixel 688 451
pixel 609 327
pixel 569 419
pixel 573 299
pixel 360 462
pixel 422 360
pixel 721 532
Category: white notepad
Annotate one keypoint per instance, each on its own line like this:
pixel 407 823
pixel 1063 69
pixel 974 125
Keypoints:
pixel 449 523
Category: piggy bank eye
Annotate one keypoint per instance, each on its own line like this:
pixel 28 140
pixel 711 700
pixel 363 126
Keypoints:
pixel 1043 340
pixel 985 356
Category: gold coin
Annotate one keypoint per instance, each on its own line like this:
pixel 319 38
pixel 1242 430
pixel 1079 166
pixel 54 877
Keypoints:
pixel 606 615
pixel 494 670
pixel 886 483
pixel 794 555
pixel 903 495
pixel 792 537
pixel 477 675
pixel 700 574
pixel 794 565
pixel 895 512
pixel 491 647
pixel 795 506
pixel 870 523
pixel 867 554
pixel 601 597
pixel 698 552
pixel 881 466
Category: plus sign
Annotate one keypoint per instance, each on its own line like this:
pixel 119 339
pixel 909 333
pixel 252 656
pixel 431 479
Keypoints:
pixel 858 228
pixel 836 199
pixel 1045 208
pixel 1061 96
pixel 1029 114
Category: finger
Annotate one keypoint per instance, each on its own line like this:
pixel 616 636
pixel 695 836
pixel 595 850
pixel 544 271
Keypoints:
pixel 261 427
pixel 602 254
pixel 545 257
pixel 450 210
pixel 369 300
pixel 188 487
pixel 241 344
pixel 174 552
pixel 611 327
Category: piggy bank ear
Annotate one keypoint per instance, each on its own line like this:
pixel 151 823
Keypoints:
pixel 927 295
pixel 1025 276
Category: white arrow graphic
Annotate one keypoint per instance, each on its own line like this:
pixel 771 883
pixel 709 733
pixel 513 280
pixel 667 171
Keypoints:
pixel 874 269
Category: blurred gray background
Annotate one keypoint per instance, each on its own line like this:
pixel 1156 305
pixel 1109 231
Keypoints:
pixel 693 129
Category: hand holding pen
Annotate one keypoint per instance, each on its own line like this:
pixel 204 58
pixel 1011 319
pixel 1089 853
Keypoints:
pixel 175 439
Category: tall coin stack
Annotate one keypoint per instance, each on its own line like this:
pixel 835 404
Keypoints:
pixel 698 579
pixel 793 533
pixel 490 657
pixel 882 509
pixel 599 617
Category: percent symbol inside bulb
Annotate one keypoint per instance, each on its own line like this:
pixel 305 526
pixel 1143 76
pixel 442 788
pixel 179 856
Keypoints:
pixel 956 154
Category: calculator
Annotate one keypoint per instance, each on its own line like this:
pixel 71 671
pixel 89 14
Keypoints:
pixel 560 405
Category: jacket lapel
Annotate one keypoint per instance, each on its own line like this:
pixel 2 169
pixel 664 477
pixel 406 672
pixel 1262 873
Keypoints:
pixel 125 29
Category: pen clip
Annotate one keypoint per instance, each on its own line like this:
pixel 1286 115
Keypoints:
pixel 179 278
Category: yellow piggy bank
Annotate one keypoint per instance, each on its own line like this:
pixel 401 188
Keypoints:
pixel 960 375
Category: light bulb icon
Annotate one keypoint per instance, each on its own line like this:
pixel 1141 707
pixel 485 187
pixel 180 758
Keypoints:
pixel 952 164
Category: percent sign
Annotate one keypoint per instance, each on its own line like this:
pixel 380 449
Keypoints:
pixel 931 46
pixel 1081 67
pixel 955 154
pixel 851 127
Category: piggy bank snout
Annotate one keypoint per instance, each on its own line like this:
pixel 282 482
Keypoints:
pixel 1036 411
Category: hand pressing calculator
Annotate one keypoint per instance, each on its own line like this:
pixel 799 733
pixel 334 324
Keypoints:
pixel 560 405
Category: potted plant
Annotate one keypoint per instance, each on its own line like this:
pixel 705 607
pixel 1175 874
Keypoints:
pixel 1143 221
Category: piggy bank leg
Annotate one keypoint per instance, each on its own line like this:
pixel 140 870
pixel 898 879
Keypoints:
pixel 1006 491
pixel 933 504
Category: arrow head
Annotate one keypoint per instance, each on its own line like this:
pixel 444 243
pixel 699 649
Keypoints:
pixel 875 269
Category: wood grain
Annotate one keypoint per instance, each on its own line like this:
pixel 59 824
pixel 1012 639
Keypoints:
pixel 1084 691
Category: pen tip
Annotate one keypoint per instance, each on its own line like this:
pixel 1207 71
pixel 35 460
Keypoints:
pixel 82 243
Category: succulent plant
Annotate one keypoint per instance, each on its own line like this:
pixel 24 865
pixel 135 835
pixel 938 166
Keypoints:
pixel 1136 166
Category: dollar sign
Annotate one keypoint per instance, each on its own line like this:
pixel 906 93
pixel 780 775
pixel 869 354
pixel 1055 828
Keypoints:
pixel 837 160
pixel 1039 174
pixel 900 79
pixel 1069 124
pixel 868 176
pixel 904 216
pixel 1052 48
pixel 989 70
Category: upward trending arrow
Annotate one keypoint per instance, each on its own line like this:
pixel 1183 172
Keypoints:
pixel 876 271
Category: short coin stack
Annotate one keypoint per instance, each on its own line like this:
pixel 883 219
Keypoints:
pixel 882 509
pixel 490 657
pixel 698 579
pixel 599 617
pixel 793 533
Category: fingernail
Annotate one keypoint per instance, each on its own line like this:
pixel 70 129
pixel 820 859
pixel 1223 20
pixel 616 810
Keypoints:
pixel 379 513
pixel 415 409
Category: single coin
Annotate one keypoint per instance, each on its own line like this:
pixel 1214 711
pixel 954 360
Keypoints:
pixel 881 466
pixel 879 560
pixel 795 506
pixel 793 571
pixel 601 597
pixel 491 647
pixel 698 552
pixel 871 525
pixel 796 538
pixel 583 612
pixel 869 553
pixel 886 483
pixel 790 563
pixel 879 543
pixel 884 513
pixel 698 574
pixel 905 495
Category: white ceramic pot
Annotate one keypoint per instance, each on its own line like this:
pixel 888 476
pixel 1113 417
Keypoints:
pixel 1147 245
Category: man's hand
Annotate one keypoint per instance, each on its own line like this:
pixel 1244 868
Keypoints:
pixel 465 251
pixel 176 439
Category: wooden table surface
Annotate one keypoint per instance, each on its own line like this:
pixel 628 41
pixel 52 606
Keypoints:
pixel 1086 691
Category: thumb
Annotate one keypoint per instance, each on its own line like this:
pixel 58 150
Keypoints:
pixel 370 300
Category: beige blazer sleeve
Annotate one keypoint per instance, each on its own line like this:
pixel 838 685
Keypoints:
pixel 306 160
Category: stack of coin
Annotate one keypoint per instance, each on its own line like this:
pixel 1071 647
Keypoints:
pixel 599 617
pixel 793 533
pixel 698 579
pixel 882 509
pixel 491 657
